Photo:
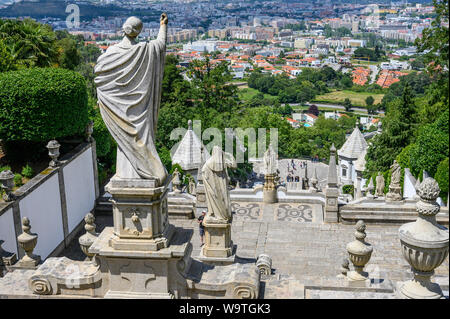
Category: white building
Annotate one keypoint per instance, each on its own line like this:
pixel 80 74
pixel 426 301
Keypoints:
pixel 353 147
pixel 201 46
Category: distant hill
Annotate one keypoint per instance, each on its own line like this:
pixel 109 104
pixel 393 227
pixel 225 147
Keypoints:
pixel 56 9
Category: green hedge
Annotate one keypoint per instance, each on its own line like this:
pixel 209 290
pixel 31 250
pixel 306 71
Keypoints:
pixel 41 104
pixel 348 189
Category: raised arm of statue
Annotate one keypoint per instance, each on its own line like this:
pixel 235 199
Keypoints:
pixel 162 35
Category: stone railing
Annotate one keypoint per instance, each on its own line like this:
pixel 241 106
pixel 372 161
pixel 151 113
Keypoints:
pixel 55 201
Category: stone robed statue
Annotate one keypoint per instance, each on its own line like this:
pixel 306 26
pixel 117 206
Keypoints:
pixel 128 79
pixel 216 180
pixel 380 185
pixel 395 174
pixel 270 161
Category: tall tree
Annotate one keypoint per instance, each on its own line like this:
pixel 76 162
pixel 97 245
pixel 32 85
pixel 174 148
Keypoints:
pixel 398 131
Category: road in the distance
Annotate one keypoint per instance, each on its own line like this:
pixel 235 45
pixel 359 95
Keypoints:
pixel 335 106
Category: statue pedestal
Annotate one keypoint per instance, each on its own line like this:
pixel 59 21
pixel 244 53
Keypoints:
pixel 143 274
pixel 140 214
pixel 331 214
pixel 269 190
pixel 394 194
pixel 143 256
pixel 218 246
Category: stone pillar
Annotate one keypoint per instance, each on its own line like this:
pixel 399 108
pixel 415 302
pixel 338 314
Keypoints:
pixel 270 189
pixel 332 191
pixel 424 245
pixel 358 193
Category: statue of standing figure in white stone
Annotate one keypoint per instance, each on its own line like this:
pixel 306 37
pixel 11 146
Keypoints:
pixel 380 185
pixel 129 78
pixel 270 161
pixel 395 174
pixel 216 180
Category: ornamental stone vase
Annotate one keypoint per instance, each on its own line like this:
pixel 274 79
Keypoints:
pixel 7 184
pixel 359 253
pixel 424 244
pixel 53 151
pixel 27 241
pixel 89 237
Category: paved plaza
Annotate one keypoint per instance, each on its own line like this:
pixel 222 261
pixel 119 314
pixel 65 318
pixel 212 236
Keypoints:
pixel 303 249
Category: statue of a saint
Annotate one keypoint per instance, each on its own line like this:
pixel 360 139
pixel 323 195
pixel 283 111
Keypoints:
pixel 192 187
pixel 176 180
pixel 216 180
pixel 129 78
pixel 395 174
pixel 270 161
pixel 380 185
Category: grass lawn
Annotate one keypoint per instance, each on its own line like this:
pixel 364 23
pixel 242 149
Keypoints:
pixel 246 93
pixel 357 98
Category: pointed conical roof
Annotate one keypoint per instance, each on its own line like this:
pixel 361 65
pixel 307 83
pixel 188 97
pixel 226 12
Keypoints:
pixel 187 154
pixel 354 145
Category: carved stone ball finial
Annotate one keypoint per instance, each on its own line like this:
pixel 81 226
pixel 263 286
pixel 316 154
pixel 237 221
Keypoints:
pixel 428 190
pixel 27 241
pixel 359 253
pixel 53 151
pixel 88 239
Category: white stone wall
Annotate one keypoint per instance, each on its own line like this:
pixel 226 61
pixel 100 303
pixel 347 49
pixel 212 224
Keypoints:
pixel 43 207
pixel 79 187
pixel 54 208
pixel 7 232
pixel 409 190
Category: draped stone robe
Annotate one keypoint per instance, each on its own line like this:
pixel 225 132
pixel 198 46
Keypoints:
pixel 128 81
pixel 215 179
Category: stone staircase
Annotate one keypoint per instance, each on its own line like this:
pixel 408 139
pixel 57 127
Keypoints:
pixel 386 213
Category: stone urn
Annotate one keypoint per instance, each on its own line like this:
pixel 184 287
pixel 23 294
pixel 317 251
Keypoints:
pixel 7 184
pixel 27 241
pixel 359 253
pixel 53 151
pixel 424 244
pixel 87 239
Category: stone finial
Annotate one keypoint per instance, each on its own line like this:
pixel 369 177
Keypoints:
pixel 53 151
pixel 190 125
pixel 359 252
pixel 27 241
pixel 428 190
pixel 89 237
pixel 424 244
pixel 264 264
pixel 89 130
pixel 7 185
